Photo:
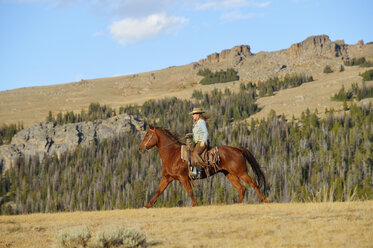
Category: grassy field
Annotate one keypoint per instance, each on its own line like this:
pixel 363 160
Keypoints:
pixel 337 224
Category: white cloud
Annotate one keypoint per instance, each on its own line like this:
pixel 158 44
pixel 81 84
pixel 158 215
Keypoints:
pixel 131 30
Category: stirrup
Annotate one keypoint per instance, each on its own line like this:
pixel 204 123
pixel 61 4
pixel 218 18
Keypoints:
pixel 193 170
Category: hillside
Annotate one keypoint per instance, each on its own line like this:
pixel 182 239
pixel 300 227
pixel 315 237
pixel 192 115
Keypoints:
pixel 89 161
pixel 329 224
pixel 30 105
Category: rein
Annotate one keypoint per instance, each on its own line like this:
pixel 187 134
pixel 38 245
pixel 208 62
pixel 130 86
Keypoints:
pixel 162 147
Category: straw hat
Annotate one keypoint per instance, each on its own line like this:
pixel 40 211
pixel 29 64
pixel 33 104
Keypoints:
pixel 197 111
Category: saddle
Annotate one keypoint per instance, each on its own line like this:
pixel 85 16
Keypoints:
pixel 210 157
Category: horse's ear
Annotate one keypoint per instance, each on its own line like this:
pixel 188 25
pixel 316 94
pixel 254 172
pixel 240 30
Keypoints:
pixel 150 126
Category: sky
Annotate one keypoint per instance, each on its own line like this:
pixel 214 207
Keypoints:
pixel 45 42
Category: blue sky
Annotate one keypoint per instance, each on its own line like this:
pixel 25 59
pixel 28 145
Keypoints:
pixel 45 42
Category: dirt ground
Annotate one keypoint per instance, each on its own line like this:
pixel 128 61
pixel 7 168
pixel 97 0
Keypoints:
pixel 338 224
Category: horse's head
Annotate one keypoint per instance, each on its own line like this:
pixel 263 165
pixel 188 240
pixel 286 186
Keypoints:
pixel 149 140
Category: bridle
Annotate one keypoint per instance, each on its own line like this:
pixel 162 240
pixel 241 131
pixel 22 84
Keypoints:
pixel 147 142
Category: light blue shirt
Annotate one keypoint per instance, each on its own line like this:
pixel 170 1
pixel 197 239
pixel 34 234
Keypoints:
pixel 200 132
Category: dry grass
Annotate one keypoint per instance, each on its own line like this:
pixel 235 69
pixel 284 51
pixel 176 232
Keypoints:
pixel 348 224
pixel 313 95
pixel 30 105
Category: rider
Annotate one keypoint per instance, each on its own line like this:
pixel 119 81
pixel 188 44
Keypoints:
pixel 200 133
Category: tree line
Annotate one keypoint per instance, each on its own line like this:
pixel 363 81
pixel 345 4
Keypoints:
pixel 218 77
pixel 269 86
pixel 354 93
pixel 8 131
pixel 305 159
pixel 95 112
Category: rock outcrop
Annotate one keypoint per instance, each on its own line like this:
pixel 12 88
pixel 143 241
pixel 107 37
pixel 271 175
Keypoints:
pixel 45 138
pixel 319 45
pixel 309 57
pixel 230 56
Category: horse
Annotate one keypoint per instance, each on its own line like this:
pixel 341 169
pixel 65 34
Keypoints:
pixel 232 164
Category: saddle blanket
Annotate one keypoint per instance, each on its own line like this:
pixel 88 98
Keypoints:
pixel 211 157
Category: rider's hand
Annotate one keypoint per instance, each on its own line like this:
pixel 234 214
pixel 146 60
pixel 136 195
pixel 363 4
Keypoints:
pixel 202 144
pixel 189 135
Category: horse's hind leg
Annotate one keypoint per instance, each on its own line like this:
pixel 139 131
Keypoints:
pixel 238 185
pixel 247 179
pixel 165 181
pixel 186 183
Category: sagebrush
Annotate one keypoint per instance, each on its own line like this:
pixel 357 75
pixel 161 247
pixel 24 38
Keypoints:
pixel 75 238
pixel 120 236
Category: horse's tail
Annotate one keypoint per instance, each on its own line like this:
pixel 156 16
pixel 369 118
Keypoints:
pixel 256 168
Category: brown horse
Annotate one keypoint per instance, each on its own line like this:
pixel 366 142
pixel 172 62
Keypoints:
pixel 232 164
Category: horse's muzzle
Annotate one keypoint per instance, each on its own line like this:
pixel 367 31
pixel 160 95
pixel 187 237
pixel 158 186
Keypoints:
pixel 142 150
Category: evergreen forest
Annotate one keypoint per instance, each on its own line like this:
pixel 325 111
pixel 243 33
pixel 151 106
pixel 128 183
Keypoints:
pixel 305 159
pixel 8 131
pixel 355 93
pixel 218 77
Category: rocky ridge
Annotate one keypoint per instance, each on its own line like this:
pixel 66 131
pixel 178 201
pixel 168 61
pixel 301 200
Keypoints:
pixel 308 57
pixel 46 139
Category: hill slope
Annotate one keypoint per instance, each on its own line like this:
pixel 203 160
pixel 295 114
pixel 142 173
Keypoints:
pixel 347 224
pixel 30 105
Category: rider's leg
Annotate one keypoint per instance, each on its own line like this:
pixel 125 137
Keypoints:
pixel 197 151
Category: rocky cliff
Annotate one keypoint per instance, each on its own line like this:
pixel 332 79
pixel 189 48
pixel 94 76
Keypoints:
pixel 45 138
pixel 309 57
pixel 231 57
pixel 319 46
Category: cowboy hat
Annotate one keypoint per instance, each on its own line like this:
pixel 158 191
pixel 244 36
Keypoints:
pixel 197 111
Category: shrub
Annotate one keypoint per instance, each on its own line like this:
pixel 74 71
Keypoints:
pixel 367 75
pixel 327 69
pixel 197 94
pixel 362 62
pixel 341 68
pixel 77 237
pixel 120 237
pixel 342 95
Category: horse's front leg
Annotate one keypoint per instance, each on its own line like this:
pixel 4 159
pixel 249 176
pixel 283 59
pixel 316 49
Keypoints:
pixel 185 181
pixel 165 181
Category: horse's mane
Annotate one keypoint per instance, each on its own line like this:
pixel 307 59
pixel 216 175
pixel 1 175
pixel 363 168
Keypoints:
pixel 171 134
